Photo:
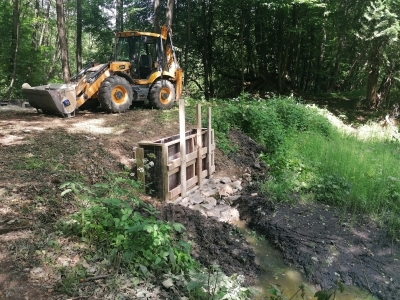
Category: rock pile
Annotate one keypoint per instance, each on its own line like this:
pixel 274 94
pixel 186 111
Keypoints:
pixel 214 198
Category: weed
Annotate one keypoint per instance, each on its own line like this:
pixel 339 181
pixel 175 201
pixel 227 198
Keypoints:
pixel 124 229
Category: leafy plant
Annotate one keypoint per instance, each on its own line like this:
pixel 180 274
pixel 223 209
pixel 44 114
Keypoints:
pixel 122 227
pixel 211 284
pixel 331 189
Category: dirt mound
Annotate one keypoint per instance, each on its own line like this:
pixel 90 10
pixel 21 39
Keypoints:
pixel 326 245
pixel 215 242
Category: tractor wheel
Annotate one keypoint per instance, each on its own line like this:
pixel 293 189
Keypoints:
pixel 115 94
pixel 162 94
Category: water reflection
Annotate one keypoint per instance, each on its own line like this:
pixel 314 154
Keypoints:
pixel 288 280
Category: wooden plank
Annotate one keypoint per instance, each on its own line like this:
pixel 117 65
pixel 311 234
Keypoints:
pixel 174 192
pixel 182 141
pixel 208 143
pixel 164 171
pixel 199 145
pixel 173 171
pixel 192 181
pixel 174 164
pixel 139 156
pixel 191 156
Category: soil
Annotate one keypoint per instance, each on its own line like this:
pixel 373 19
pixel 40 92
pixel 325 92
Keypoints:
pixel 326 244
pixel 39 153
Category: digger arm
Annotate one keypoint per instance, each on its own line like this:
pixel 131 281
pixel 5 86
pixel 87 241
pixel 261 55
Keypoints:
pixel 88 86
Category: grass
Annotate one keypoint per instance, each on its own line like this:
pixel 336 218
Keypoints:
pixel 312 160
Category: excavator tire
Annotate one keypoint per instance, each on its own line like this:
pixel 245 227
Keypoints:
pixel 115 94
pixel 162 94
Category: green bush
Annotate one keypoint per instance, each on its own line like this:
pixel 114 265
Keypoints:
pixel 122 227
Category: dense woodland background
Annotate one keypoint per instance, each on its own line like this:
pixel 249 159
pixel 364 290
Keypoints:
pixel 225 46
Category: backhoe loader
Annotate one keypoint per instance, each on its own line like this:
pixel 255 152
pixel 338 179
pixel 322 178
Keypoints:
pixel 144 67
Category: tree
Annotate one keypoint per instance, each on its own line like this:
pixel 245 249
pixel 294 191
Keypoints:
pixel 14 47
pixel 380 29
pixel 156 21
pixel 62 40
pixel 78 51
pixel 170 12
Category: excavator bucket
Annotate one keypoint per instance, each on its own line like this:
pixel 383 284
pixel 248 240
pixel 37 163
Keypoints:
pixel 53 98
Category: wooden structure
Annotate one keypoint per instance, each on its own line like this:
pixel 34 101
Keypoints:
pixel 161 168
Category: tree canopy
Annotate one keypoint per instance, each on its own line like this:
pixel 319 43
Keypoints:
pixel 225 46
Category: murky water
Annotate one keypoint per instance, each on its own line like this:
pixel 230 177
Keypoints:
pixel 287 279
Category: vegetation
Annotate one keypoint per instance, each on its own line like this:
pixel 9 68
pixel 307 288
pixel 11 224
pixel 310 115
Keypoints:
pixel 228 49
pixel 225 46
pixel 122 230
pixel 311 160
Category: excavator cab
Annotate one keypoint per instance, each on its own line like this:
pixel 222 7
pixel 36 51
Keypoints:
pixel 144 67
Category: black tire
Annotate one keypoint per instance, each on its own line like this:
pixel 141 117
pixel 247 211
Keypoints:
pixel 162 94
pixel 115 94
pixel 90 105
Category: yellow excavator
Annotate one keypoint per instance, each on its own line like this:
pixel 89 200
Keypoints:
pixel 144 67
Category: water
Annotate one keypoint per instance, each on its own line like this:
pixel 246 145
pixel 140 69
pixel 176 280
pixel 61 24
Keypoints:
pixel 287 279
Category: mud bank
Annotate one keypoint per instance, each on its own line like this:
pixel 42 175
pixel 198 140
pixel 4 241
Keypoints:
pixel 325 245
pixel 215 242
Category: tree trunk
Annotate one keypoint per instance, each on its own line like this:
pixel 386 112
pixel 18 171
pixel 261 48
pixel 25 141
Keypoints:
pixel 281 50
pixel 372 93
pixel 120 15
pixel 243 21
pixel 44 27
pixel 336 69
pixel 187 46
pixel 14 48
pixel 156 23
pixel 62 40
pixel 78 52
pixel 205 52
pixel 170 13
pixel 384 88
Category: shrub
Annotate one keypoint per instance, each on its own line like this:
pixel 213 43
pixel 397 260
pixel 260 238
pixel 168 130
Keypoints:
pixel 122 227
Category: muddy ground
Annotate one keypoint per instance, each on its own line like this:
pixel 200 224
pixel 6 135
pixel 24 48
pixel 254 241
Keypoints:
pixel 38 153
pixel 326 244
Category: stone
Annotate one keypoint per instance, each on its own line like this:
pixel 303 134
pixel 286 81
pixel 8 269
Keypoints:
pixel 230 214
pixel 167 283
pixel 225 191
pixel 257 165
pixel 211 200
pixel 225 180
pixel 237 184
pixel 196 199
pixel 184 202
pixel 209 192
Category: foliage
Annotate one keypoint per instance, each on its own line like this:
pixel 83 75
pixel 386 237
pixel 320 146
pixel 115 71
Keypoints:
pixel 118 224
pixel 211 284
pixel 267 121
pixel 328 294
pixel 120 228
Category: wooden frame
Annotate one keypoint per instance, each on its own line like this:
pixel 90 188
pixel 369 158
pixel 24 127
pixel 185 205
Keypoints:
pixel 163 179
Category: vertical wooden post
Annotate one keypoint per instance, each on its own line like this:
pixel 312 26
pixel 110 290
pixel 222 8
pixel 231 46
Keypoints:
pixel 164 171
pixel 182 141
pixel 208 158
pixel 139 156
pixel 199 165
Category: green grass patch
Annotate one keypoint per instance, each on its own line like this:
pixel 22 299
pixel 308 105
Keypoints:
pixel 310 160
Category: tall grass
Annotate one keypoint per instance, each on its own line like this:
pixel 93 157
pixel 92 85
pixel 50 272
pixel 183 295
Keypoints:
pixel 310 160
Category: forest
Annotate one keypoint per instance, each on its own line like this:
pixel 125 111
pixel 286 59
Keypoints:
pixel 304 159
pixel 224 46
